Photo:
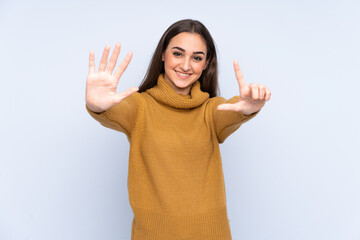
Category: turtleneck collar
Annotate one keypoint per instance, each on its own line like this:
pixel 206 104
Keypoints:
pixel 164 93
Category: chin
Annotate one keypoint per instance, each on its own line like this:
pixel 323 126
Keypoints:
pixel 184 85
pixel 181 84
pixel 184 82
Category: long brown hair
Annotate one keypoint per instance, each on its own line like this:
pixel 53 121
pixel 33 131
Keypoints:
pixel 209 77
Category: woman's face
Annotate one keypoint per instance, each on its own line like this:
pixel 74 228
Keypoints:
pixel 184 60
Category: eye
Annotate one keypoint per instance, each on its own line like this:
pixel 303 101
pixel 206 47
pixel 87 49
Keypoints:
pixel 197 58
pixel 177 54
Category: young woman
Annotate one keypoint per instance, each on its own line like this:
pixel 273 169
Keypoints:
pixel 174 122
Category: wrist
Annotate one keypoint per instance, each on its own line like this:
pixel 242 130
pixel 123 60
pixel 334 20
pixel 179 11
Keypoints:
pixel 93 109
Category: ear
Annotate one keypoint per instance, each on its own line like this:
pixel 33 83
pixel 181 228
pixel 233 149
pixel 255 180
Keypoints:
pixel 162 57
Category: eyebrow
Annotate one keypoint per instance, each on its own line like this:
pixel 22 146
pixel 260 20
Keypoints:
pixel 183 50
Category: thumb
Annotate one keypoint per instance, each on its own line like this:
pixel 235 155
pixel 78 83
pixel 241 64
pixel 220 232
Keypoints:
pixel 121 96
pixel 228 107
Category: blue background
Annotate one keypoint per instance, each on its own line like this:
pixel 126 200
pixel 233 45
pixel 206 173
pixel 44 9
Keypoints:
pixel 292 172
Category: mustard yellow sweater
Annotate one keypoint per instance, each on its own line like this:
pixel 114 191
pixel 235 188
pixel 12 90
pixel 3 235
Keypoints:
pixel 175 177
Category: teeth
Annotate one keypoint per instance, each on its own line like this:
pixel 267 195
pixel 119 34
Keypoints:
pixel 183 74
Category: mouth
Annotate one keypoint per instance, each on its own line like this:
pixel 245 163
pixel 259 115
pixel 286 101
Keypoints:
pixel 182 75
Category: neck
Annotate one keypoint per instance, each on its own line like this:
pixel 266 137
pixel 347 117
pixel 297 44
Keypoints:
pixel 166 94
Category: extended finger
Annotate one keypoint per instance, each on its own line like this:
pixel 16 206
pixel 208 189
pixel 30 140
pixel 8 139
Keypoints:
pixel 113 58
pixel 123 65
pixel 239 75
pixel 91 62
pixel 104 58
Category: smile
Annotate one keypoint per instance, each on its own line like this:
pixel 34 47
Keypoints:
pixel 183 75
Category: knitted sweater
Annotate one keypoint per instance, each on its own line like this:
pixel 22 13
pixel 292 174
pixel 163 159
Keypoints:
pixel 175 177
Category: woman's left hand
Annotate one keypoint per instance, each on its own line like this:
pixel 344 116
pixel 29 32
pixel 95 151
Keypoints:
pixel 252 96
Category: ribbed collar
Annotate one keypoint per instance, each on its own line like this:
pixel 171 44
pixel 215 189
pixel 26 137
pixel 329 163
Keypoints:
pixel 164 93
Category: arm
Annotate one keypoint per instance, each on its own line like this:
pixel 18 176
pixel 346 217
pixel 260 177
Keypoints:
pixel 120 117
pixel 227 122
pixel 237 110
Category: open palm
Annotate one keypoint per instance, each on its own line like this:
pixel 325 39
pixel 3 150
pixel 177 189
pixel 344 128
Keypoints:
pixel 101 86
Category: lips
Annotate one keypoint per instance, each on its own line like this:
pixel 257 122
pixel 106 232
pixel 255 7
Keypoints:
pixel 182 75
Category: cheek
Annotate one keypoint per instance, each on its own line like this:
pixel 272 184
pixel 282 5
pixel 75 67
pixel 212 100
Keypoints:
pixel 169 60
pixel 199 67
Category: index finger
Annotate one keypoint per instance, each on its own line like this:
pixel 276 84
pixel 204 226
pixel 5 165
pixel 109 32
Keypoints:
pixel 239 75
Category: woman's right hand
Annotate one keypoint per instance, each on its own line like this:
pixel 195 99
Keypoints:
pixel 101 86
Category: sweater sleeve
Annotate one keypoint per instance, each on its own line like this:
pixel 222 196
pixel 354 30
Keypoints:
pixel 227 122
pixel 120 117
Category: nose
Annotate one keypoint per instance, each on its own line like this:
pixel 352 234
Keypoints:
pixel 185 64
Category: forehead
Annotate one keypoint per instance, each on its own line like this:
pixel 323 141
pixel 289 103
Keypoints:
pixel 192 42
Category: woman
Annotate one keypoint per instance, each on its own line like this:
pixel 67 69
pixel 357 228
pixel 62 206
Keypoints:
pixel 174 122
